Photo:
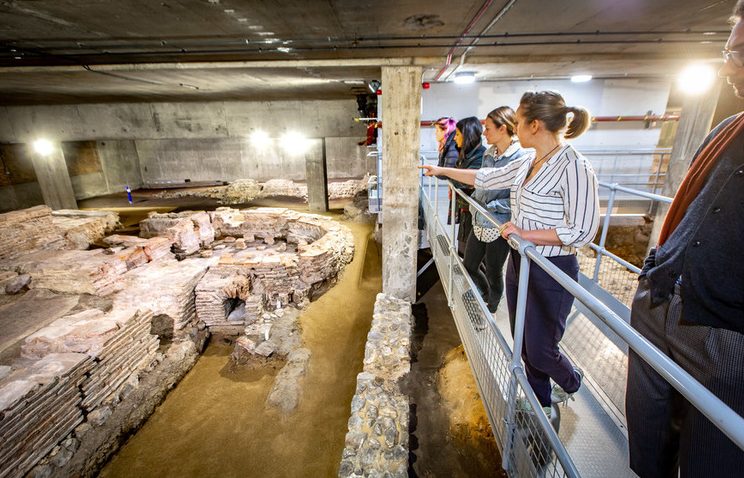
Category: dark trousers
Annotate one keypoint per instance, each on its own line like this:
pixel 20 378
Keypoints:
pixel 492 254
pixel 548 305
pixel 664 430
pixel 463 231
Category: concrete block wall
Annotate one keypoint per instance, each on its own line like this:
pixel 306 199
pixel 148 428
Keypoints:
pixel 146 143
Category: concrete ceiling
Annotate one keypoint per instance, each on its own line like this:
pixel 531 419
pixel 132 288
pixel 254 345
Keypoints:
pixel 70 51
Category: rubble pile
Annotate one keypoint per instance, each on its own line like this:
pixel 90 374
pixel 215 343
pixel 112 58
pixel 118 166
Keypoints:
pixel 347 189
pixel 244 191
pixel 39 406
pixel 237 192
pixel 188 231
pixel 28 230
pixel 283 188
pixel 83 228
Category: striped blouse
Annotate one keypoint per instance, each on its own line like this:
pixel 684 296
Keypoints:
pixel 562 196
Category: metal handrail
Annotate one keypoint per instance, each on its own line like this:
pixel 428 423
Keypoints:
pixel 720 414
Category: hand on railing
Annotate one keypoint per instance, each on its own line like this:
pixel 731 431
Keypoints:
pixel 508 228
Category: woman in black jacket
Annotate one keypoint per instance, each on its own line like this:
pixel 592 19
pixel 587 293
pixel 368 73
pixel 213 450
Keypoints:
pixel 468 132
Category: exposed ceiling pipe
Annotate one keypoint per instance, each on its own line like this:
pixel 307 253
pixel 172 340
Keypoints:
pixel 176 42
pixel 477 38
pixel 595 119
pixel 469 27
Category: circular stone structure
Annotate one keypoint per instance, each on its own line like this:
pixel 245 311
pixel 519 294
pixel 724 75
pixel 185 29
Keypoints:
pixel 266 258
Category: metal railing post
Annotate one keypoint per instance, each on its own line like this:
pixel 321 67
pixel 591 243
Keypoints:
pixel 453 244
pixel 516 361
pixel 605 227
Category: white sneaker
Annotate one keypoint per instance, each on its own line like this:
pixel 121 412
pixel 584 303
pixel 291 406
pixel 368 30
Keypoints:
pixel 558 395
pixel 523 406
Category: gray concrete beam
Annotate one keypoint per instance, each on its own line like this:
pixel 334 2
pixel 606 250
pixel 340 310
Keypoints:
pixel 695 122
pixel 54 178
pixel 317 180
pixel 401 114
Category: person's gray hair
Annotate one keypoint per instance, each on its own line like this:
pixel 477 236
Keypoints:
pixel 738 12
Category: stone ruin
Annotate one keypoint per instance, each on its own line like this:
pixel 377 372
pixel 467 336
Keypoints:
pixel 93 339
pixel 245 190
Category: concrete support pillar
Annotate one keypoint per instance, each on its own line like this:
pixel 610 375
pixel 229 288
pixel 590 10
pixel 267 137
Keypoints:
pixel 316 174
pixel 54 179
pixel 401 114
pixel 694 125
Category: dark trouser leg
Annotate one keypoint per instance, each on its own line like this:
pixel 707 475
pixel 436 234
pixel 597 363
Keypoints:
pixel 474 252
pixel 512 287
pixel 548 305
pixel 464 230
pixel 649 399
pixel 715 358
pixel 496 253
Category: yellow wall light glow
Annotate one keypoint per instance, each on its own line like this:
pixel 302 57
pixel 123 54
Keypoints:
pixel 295 142
pixel 696 78
pixel 260 138
pixel 43 147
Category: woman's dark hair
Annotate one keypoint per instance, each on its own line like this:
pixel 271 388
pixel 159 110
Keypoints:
pixel 471 130
pixel 550 108
pixel 504 116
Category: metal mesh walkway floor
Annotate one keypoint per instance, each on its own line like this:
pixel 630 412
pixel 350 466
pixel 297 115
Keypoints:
pixel 589 429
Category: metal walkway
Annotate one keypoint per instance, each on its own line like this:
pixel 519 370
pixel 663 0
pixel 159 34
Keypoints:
pixel 591 439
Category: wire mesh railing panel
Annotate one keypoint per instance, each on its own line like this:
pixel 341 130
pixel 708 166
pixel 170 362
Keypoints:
pixel 613 277
pixel 489 357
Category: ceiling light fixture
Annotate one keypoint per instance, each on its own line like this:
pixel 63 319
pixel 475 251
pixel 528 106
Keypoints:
pixel 581 78
pixel 464 77
pixel 696 78
pixel 43 147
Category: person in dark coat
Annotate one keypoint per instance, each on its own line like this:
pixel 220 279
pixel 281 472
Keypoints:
pixel 690 304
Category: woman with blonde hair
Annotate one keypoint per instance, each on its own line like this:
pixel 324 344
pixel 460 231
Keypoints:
pixel 485 245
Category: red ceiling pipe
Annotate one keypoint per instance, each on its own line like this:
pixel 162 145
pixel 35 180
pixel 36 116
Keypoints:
pixel 470 26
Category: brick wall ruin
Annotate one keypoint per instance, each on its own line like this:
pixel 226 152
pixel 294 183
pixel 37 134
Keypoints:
pixel 127 319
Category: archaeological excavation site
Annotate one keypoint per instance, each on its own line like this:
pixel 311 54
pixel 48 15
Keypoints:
pixel 331 239
pixel 156 321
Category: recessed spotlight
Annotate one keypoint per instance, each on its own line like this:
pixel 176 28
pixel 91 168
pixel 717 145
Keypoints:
pixel 696 78
pixel 464 77
pixel 284 49
pixel 581 78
